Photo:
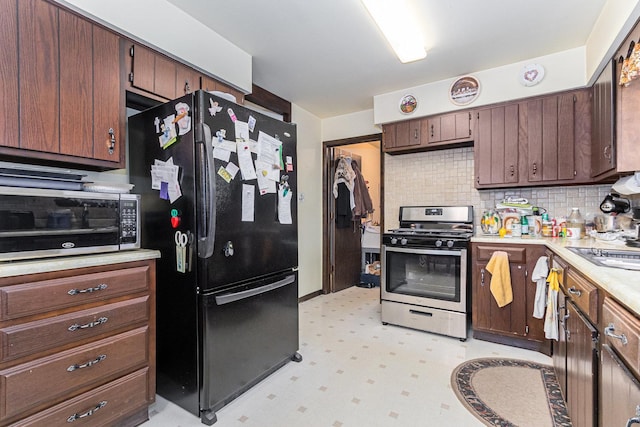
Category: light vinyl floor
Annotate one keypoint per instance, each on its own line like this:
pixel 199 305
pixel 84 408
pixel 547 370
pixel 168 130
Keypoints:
pixel 355 372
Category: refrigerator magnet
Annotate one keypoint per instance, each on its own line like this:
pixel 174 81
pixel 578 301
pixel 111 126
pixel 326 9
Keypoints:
pixel 182 119
pixel 156 123
pixel 252 123
pixel 224 174
pixel 215 108
pixel 232 115
pixel 289 162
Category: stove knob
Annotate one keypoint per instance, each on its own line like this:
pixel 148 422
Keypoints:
pixel 403 241
pixel 438 243
pixel 450 243
pixel 394 240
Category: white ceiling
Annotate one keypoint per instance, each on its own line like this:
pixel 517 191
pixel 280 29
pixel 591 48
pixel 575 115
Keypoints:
pixel 329 58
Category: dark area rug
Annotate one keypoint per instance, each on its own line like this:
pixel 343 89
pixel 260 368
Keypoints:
pixel 510 392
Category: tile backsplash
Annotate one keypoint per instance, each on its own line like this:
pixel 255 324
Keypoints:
pixel 446 177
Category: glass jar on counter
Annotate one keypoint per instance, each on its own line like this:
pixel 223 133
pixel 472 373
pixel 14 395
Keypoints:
pixel 575 225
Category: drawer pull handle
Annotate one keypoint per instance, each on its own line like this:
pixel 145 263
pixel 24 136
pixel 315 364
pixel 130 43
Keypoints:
pixel 90 412
pixel 100 287
pixel 87 364
pixel 609 331
pixel 100 321
pixel 573 291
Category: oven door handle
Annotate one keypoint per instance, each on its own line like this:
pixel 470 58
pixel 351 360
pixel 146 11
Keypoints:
pixel 418 251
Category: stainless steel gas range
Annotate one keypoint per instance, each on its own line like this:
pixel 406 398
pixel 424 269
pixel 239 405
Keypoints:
pixel 425 270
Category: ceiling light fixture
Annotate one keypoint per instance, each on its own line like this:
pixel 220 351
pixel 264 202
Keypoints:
pixel 398 25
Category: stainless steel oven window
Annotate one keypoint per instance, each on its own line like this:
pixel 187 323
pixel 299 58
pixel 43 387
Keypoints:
pixel 433 274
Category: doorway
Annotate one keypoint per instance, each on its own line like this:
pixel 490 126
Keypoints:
pixel 343 256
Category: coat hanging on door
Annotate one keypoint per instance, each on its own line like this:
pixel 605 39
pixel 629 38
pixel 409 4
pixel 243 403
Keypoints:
pixel 351 193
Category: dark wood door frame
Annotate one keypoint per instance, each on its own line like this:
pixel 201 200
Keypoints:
pixel 327 185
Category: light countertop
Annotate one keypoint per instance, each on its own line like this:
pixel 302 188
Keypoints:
pixel 43 265
pixel 624 285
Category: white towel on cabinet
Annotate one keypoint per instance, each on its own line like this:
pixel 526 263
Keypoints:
pixel 539 277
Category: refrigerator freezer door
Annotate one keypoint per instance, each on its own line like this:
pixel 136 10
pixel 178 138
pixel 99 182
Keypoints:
pixel 248 333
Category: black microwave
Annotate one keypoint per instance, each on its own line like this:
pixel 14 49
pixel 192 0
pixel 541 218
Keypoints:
pixel 37 223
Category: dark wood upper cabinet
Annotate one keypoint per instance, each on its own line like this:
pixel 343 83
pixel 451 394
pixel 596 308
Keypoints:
pixel 108 97
pixel 449 127
pixel 67 102
pixel 39 75
pixel 76 85
pixel 496 145
pixel 152 72
pixel 187 80
pixel 9 111
pixel 602 123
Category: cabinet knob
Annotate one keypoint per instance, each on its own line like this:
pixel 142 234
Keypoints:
pixel 415 134
pixel 535 168
pixel 432 131
pixel 512 170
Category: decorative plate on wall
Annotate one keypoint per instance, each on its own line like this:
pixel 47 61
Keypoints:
pixel 408 104
pixel 464 91
pixel 531 74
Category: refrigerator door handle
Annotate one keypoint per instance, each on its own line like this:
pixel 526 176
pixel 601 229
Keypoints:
pixel 236 296
pixel 207 214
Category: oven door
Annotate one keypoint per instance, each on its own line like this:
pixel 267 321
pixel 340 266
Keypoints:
pixel 425 277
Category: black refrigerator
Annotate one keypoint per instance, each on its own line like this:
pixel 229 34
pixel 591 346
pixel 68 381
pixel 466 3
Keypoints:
pixel 218 195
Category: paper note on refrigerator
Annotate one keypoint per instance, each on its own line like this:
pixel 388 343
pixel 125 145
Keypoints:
pixel 248 202
pixel 268 150
pixel 265 185
pixel 284 205
pixel 246 162
pixel 242 131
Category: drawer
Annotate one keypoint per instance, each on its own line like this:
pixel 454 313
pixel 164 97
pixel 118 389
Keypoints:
pixel 583 293
pixel 484 253
pixel 26 299
pixel 32 337
pixel 103 406
pixel 52 379
pixel 619 322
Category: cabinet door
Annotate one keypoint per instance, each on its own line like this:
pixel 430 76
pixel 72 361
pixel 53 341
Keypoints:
pixel 602 125
pixel 550 125
pixel 187 80
pixel 108 97
pixel 142 75
pixel 389 136
pixel 560 346
pixel 165 77
pixel 620 390
pixel 9 117
pixel 39 67
pixel 582 362
pixel 496 146
pixel 455 126
pixel 486 315
pixel 76 85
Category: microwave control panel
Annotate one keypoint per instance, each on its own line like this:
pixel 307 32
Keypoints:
pixel 129 220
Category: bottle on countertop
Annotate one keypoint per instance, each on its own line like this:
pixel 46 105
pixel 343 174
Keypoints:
pixel 524 225
pixel 575 224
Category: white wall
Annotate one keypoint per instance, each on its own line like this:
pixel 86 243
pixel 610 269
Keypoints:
pixel 563 71
pixel 164 26
pixel 349 125
pixel 309 173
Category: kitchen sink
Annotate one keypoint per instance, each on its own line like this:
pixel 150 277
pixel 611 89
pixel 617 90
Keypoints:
pixel 616 258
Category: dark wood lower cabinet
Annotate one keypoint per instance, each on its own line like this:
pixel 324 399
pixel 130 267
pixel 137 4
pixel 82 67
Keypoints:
pixel 582 368
pixel 620 391
pixel 514 323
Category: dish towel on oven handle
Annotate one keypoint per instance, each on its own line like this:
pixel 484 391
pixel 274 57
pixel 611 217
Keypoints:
pixel 500 285
pixel 539 277
pixel 551 316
